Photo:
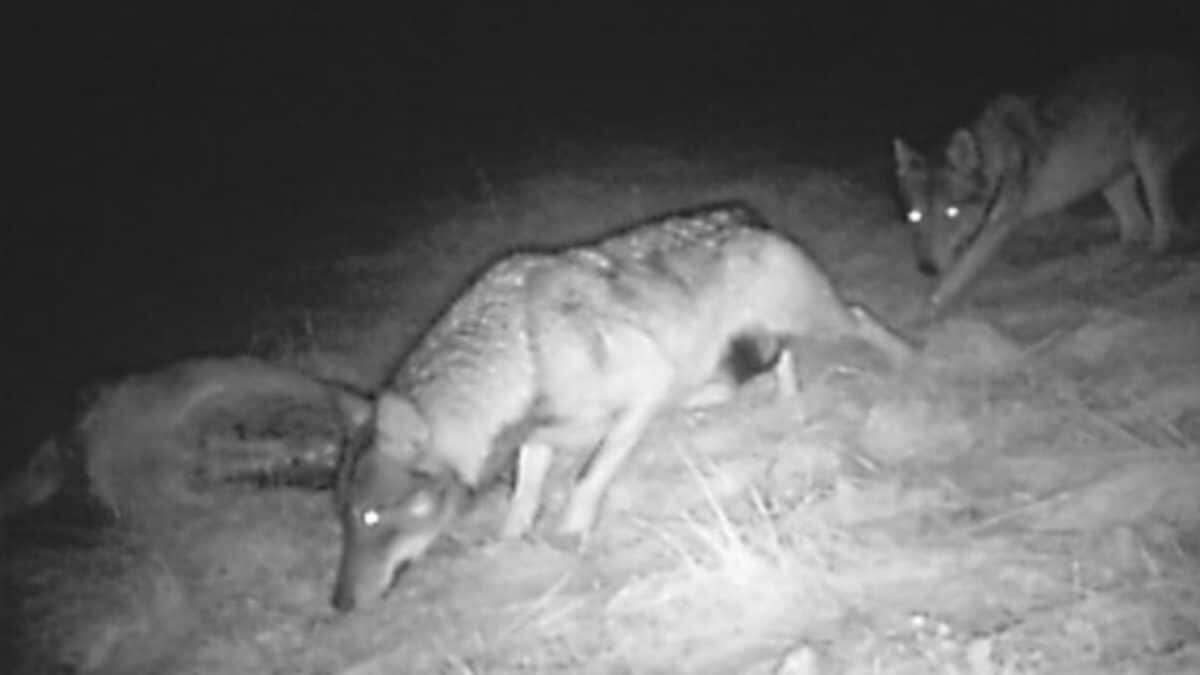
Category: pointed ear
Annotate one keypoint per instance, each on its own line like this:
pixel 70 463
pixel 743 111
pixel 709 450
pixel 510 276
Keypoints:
pixel 907 159
pixel 963 150
pixel 399 426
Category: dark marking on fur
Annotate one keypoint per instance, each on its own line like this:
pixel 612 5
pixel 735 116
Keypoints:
pixel 660 263
pixel 751 354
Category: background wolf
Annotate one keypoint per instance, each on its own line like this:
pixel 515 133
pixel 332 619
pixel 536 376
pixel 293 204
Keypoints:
pixel 575 350
pixel 1107 128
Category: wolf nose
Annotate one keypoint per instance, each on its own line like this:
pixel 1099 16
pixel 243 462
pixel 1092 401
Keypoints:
pixel 927 268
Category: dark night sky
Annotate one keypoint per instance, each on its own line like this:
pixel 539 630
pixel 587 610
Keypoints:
pixel 148 139
pixel 122 70
pixel 129 95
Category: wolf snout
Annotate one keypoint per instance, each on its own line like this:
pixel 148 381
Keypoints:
pixel 344 598
pixel 354 592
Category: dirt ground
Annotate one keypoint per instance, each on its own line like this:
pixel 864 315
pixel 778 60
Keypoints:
pixel 1023 498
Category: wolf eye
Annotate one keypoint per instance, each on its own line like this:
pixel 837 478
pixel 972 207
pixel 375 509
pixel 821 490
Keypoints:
pixel 371 517
pixel 915 216
pixel 951 211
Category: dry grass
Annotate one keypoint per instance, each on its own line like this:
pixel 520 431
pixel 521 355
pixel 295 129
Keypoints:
pixel 1023 499
pixel 112 605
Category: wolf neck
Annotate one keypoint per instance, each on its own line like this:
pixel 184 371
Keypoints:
pixel 473 378
pixel 1010 136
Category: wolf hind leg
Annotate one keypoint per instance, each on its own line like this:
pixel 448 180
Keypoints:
pixel 1122 198
pixel 787 384
pixel 1154 163
pixel 748 355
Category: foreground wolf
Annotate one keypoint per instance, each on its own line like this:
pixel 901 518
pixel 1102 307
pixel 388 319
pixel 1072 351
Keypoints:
pixel 576 350
pixel 1107 128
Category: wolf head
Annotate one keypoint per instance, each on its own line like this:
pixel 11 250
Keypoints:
pixel 393 498
pixel 947 204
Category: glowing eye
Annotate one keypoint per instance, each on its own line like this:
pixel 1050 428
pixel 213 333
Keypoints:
pixel 370 517
pixel 915 216
pixel 951 211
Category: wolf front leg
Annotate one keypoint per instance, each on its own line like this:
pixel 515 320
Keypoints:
pixel 1154 162
pixel 875 332
pixel 533 463
pixel 584 503
pixel 654 381
pixel 969 265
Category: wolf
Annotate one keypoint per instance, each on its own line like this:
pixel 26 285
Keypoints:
pixel 1111 127
pixel 571 353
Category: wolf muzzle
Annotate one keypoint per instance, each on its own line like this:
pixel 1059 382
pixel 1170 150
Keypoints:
pixel 363 582
pixel 371 564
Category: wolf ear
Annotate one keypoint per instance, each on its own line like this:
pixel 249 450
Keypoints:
pixel 907 160
pixel 963 150
pixel 399 424
pixel 1019 116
